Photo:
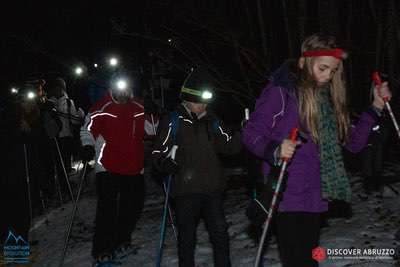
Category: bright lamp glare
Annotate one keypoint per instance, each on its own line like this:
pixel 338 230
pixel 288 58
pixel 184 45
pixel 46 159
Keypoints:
pixel 122 85
pixel 31 95
pixel 14 90
pixel 113 61
pixel 169 40
pixel 78 70
pixel 95 65
pixel 206 95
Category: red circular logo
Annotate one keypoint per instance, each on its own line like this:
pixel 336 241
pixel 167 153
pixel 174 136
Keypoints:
pixel 319 254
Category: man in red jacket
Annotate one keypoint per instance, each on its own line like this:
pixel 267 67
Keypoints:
pixel 113 135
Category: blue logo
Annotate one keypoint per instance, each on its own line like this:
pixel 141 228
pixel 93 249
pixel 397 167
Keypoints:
pixel 16 249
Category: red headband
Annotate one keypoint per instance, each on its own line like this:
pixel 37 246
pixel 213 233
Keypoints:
pixel 337 53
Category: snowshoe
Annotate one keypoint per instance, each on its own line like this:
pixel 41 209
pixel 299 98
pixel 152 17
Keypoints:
pixel 124 251
pixel 105 260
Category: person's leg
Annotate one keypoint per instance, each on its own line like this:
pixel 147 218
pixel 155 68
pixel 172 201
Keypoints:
pixel 187 210
pixel 368 164
pixel 59 161
pixel 106 214
pixel 308 238
pixel 286 236
pixel 377 165
pixel 217 227
pixel 298 235
pixel 66 144
pixel 131 201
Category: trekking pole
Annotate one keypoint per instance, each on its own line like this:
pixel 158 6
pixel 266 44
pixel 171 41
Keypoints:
pixel 377 81
pixel 45 211
pixel 64 170
pixel 165 211
pixel 171 219
pixel 246 118
pixel 153 124
pixel 74 210
pixel 293 136
pixel 28 183
pixel 57 185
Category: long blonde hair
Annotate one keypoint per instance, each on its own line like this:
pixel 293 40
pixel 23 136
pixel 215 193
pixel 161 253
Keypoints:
pixel 307 89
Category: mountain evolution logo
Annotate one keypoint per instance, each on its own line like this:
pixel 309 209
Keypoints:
pixel 16 249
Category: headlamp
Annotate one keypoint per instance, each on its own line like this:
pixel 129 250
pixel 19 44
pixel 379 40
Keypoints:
pixel 78 71
pixel 14 91
pixel 121 84
pixel 113 61
pixel 30 95
pixel 206 95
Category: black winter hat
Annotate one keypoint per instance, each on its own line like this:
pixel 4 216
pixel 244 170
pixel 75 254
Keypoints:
pixel 198 87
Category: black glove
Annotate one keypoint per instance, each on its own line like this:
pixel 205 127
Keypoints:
pixel 88 153
pixel 169 166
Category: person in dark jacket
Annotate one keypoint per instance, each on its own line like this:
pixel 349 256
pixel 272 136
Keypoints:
pixel 309 94
pixel 24 132
pixel 198 184
pixel 374 155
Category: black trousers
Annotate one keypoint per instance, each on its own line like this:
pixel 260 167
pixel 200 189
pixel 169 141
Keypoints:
pixel 298 235
pixel 120 200
pixel 189 209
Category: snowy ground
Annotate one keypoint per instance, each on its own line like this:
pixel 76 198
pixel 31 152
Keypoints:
pixel 373 224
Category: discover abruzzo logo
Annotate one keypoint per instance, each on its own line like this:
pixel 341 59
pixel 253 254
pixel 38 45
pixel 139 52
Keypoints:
pixel 321 254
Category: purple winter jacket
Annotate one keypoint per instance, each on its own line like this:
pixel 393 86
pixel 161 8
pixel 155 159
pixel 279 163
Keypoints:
pixel 276 113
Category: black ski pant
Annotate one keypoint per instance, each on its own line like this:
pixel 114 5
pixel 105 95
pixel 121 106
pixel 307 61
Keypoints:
pixel 189 209
pixel 298 235
pixel 120 200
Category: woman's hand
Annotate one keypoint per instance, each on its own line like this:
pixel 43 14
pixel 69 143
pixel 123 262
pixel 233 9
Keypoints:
pixel 381 92
pixel 287 148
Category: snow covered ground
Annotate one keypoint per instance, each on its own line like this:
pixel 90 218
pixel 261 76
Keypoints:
pixel 373 224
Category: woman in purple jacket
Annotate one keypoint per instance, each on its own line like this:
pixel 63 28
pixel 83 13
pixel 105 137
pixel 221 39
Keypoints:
pixel 309 94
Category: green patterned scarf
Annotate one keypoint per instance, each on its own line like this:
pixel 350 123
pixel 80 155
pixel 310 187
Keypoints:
pixel 334 180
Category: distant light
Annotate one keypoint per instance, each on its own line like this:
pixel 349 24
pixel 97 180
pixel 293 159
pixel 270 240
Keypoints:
pixel 31 95
pixel 78 71
pixel 206 95
pixel 113 62
pixel 95 65
pixel 14 90
pixel 169 40
pixel 122 84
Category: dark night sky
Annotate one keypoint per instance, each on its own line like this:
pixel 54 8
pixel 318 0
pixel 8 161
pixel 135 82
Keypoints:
pixel 41 36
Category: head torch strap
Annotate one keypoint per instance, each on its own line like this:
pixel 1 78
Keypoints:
pixel 191 91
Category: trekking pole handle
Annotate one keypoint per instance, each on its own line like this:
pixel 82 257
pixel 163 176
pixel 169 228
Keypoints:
pixel 378 82
pixel 246 114
pixel 293 136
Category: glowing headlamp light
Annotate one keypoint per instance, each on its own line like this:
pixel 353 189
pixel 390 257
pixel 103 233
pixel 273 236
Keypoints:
pixel 206 95
pixel 113 61
pixel 78 71
pixel 121 85
pixel 30 95
pixel 14 91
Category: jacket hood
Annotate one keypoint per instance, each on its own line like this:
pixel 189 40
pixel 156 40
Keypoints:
pixel 285 76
